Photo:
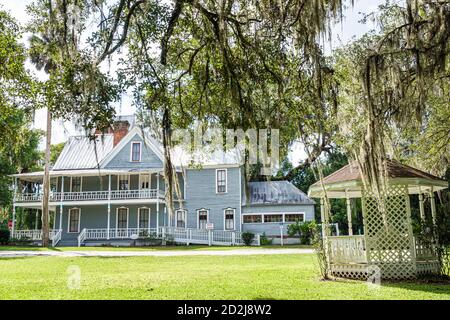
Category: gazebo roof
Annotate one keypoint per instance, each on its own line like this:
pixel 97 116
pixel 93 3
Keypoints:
pixel 347 181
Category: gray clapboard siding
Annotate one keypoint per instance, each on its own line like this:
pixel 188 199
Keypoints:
pixel 201 194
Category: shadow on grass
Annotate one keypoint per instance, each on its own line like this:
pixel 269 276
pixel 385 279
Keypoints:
pixel 432 284
pixel 435 285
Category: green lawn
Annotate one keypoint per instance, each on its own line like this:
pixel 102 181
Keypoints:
pixel 152 248
pixel 193 277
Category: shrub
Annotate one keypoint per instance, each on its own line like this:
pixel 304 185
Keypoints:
pixel 247 238
pixel 4 236
pixel 304 230
pixel 264 240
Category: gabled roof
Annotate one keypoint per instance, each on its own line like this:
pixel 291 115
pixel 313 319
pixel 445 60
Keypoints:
pixel 80 152
pixel 275 192
pixel 347 181
pixel 395 169
pixel 149 141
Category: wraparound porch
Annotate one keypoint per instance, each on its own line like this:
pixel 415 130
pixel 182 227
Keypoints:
pixel 178 235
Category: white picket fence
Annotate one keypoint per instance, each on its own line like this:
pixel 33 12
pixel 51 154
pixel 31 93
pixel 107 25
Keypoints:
pixel 179 235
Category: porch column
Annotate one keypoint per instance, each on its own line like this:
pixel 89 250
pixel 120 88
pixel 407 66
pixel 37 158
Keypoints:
pixel 61 203
pixel 109 207
pixel 349 216
pixel 157 202
pixel 421 207
pixel 165 214
pixel 37 221
pixel 433 206
pixel 13 224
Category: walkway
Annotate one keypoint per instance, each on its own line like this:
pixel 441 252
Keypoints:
pixel 155 253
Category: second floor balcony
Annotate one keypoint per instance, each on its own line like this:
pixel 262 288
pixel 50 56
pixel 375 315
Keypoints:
pixel 143 194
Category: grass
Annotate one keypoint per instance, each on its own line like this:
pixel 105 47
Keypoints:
pixel 195 277
pixel 153 248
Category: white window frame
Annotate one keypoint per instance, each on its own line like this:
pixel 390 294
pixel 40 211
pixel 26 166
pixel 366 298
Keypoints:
pixel 81 183
pixel 198 216
pixel 252 214
pixel 225 219
pixel 263 219
pixel 79 219
pixel 129 181
pixel 185 218
pixel 297 213
pixel 273 214
pixel 149 175
pixel 226 181
pixel 139 217
pixel 140 151
pixel 117 216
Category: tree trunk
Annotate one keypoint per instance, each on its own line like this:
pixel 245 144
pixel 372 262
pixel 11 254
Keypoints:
pixel 45 198
pixel 168 169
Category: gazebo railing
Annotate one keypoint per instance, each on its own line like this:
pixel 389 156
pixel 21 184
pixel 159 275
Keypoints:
pixel 347 249
pixel 352 249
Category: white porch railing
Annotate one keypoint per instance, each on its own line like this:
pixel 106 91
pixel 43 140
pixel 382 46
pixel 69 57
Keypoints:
pixel 56 238
pixel 32 234
pixel 92 195
pixel 347 249
pixel 180 235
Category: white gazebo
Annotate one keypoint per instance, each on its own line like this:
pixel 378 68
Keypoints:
pixel 388 246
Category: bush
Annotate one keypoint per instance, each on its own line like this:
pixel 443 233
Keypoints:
pixel 304 230
pixel 264 240
pixel 247 238
pixel 4 236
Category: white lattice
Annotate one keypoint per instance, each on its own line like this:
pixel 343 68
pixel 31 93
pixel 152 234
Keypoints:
pixel 349 270
pixel 388 232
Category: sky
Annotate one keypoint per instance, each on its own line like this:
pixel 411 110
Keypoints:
pixel 342 33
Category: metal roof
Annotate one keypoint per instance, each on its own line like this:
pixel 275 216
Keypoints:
pixel 276 192
pixel 79 152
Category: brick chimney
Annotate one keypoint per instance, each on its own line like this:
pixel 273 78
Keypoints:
pixel 120 130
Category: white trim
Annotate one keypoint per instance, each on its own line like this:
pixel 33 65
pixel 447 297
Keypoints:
pixel 263 214
pixel 139 216
pixel 224 218
pixel 299 213
pixel 149 141
pixel 185 217
pixel 198 215
pixel 140 151
pixel 81 183
pixel 226 181
pixel 68 219
pixel 117 216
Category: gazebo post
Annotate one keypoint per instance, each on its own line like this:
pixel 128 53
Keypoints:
pixel 325 218
pixel 433 206
pixel 421 207
pixel 349 214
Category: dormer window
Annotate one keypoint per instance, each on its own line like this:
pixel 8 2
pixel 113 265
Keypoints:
pixel 136 152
